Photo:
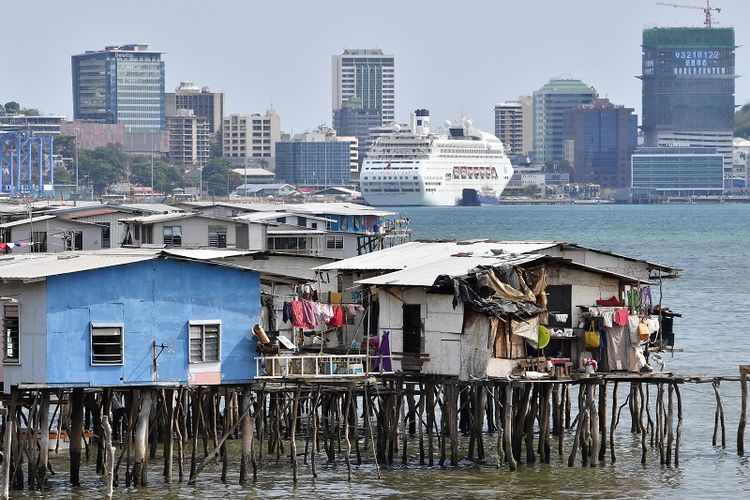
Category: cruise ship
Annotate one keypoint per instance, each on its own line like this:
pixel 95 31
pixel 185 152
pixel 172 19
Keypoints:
pixel 419 167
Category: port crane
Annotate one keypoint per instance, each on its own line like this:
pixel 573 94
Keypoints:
pixel 706 10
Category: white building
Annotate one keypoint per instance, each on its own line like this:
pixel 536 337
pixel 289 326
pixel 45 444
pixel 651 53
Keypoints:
pixel 251 136
pixel 367 74
pixel 189 138
pixel 514 125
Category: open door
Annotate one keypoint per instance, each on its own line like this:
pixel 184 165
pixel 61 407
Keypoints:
pixel 412 329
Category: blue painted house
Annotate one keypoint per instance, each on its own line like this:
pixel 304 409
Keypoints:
pixel 124 318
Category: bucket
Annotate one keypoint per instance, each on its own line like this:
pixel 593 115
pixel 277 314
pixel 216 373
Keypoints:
pixel 355 368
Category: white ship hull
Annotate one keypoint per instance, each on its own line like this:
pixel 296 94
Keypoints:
pixel 447 194
pixel 416 167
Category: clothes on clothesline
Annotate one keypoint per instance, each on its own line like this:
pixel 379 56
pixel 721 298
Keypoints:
pixel 308 314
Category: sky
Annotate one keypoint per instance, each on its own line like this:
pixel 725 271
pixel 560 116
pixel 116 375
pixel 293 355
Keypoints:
pixel 452 57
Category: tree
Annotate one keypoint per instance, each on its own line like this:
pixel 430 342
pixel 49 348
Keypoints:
pixel 742 122
pixel 166 175
pixel 12 107
pixel 218 177
pixel 103 166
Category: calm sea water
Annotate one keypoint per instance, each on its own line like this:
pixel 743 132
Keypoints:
pixel 711 244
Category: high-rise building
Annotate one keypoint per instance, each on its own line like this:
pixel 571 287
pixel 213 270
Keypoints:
pixel 201 101
pixel 353 120
pixel 599 139
pixel 367 74
pixel 120 84
pixel 550 103
pixel 251 136
pixel 688 76
pixel 189 138
pixel 514 123
pixel 317 158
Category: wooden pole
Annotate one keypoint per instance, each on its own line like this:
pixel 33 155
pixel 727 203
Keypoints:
pixel 508 427
pixel 719 415
pixel 430 423
pixel 314 429
pixel 248 425
pixel 670 423
pixel 613 424
pixel 43 469
pixel 644 406
pixel 594 425
pixel 679 425
pixel 347 412
pixel 10 423
pixel 744 370
pixel 110 456
pixel 140 465
pixel 76 434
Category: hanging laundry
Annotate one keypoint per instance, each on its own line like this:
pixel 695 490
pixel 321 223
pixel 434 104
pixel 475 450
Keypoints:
pixel 302 318
pixel 324 312
pixel 645 302
pixel 334 297
pixel 610 302
pixel 310 313
pixel 287 314
pixel 337 321
pixel 633 322
pixel 608 318
pixel 621 317
pixel 352 310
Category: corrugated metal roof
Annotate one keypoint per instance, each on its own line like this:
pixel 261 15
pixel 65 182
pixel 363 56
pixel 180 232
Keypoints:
pixel 420 252
pixel 426 274
pixel 157 208
pixel 151 219
pixel 262 216
pixel 21 222
pixel 41 265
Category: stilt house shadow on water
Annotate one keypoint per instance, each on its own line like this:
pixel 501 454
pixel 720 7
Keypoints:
pixel 482 309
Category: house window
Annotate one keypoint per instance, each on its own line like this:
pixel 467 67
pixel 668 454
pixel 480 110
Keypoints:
pixel 106 243
pixel 39 241
pixel 334 242
pixel 74 240
pixel 205 339
pixel 12 330
pixel 217 236
pixel 106 344
pixel 173 236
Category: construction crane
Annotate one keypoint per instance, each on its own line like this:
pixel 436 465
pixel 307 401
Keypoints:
pixel 706 10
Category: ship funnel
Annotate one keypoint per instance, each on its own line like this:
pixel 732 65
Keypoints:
pixel 420 122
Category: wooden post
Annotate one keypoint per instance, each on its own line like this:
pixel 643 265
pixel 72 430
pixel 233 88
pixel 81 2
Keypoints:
pixel 719 415
pixel 508 427
pixel 613 424
pixel 670 423
pixel 43 468
pixel 644 406
pixel 168 396
pixel 744 370
pixel 594 425
pixel 420 421
pixel 248 425
pixel 430 423
pixel 498 425
pixel 10 423
pixel 314 429
pixel 109 454
pixel 603 421
pixel 347 412
pixel 293 432
pixel 140 464
pixel 679 425
pixel 76 434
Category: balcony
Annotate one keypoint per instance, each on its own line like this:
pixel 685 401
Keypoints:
pixel 313 366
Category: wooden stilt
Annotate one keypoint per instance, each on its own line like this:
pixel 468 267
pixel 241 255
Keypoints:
pixel 293 432
pixel 670 422
pixel 594 424
pixel 76 434
pixel 679 425
pixel 508 427
pixel 10 423
pixel 744 370
pixel 314 431
pixel 140 464
pixel 43 467
pixel 719 416
pixel 644 407
pixel 603 422
pixel 430 423
pixel 347 439
pixel 613 424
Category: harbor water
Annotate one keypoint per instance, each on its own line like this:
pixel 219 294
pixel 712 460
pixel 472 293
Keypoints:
pixel 711 244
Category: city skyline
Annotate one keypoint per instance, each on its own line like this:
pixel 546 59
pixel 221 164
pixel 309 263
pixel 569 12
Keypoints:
pixel 438 66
